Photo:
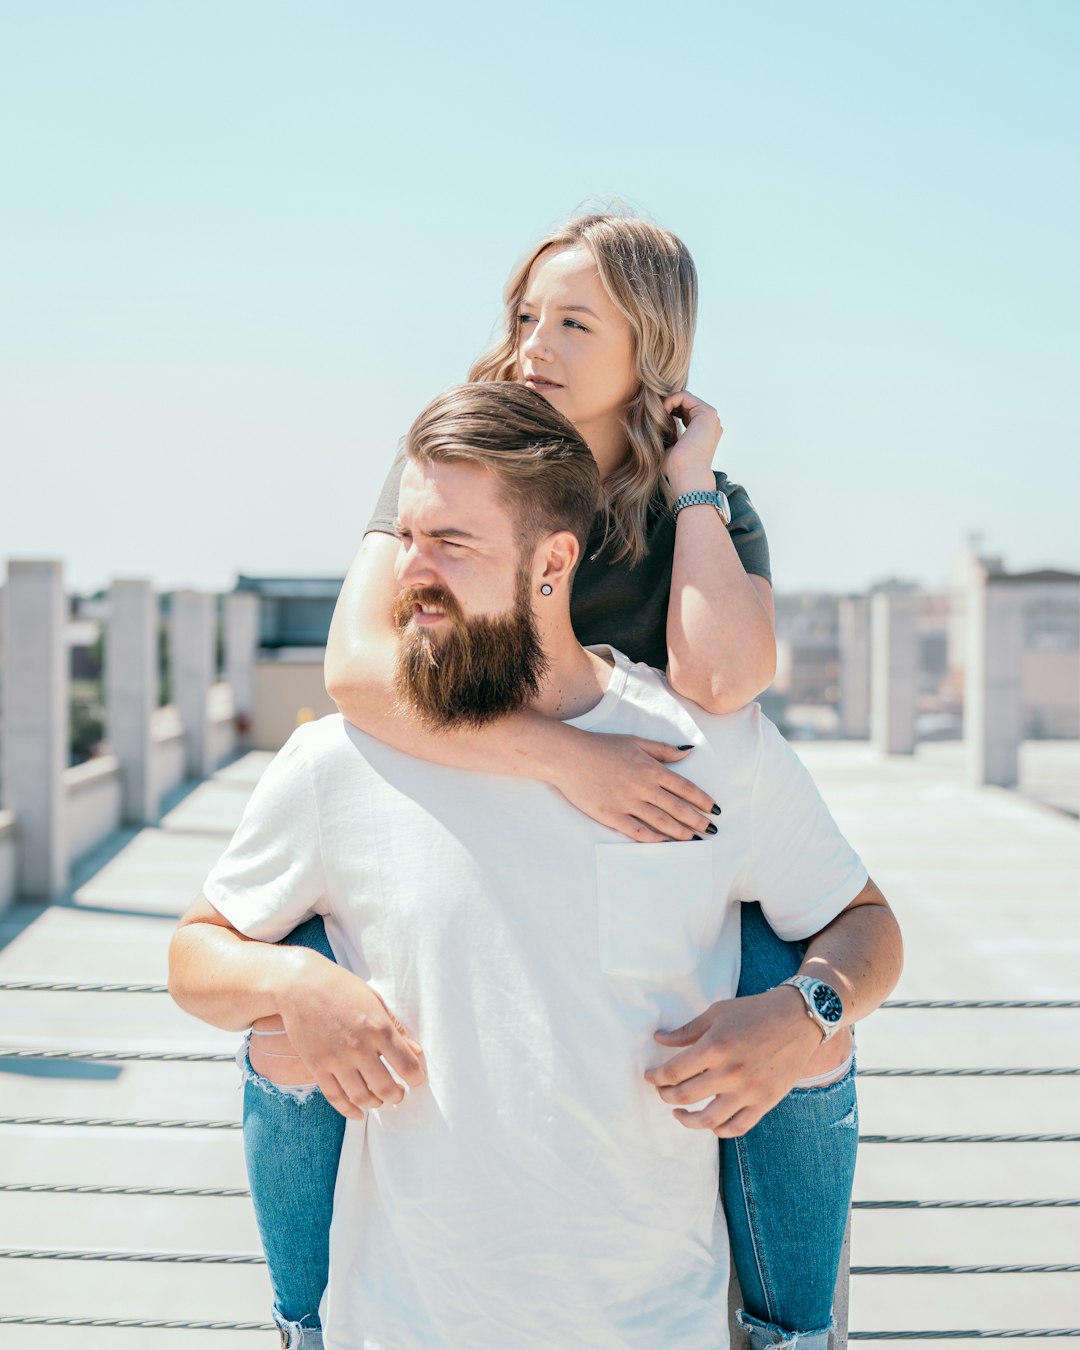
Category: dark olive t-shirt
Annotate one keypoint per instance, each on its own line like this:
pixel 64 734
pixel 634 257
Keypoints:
pixel 615 602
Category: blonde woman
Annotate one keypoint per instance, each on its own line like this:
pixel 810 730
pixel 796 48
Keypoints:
pixel 600 320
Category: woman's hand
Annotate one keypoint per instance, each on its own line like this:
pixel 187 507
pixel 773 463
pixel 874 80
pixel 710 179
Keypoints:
pixel 688 464
pixel 624 782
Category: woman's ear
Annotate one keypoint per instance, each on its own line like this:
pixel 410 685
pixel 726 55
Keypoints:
pixel 556 558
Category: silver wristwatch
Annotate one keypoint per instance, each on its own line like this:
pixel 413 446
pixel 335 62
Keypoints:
pixel 716 498
pixel 824 1006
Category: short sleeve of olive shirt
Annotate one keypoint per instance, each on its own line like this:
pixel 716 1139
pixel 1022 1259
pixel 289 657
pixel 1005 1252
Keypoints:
pixel 615 602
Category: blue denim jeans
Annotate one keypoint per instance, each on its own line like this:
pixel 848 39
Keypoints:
pixel 787 1183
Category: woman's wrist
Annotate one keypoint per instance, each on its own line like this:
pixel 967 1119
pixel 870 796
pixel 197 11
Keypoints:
pixel 689 478
pixel 549 749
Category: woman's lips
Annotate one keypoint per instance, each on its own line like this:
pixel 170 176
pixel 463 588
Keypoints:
pixel 536 382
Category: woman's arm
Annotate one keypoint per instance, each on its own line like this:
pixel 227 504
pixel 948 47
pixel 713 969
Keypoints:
pixel 721 645
pixel 621 781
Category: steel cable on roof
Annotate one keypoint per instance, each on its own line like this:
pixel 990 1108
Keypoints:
pixel 91 1122
pixel 965 1270
pixel 147 1323
pixel 1018 1333
pixel 92 987
pixel 56 1188
pixel 154 1258
pixel 224 1057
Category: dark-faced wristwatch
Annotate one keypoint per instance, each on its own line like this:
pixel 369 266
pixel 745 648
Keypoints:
pixel 699 498
pixel 824 1006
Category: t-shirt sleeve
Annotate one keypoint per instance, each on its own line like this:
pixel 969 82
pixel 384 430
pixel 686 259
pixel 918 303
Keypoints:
pixel 799 866
pixel 270 878
pixel 746 530
pixel 385 517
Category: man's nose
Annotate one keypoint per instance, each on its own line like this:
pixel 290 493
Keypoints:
pixel 413 568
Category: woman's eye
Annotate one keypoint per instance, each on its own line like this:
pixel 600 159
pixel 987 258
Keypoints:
pixel 572 323
pixel 524 318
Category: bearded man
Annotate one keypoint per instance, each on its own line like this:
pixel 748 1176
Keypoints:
pixel 525 1165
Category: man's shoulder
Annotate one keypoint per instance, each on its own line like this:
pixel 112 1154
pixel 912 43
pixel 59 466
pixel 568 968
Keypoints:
pixel 327 740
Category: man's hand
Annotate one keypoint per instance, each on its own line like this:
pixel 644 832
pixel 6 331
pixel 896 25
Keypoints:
pixel 746 1054
pixel 349 1039
pixel 344 1036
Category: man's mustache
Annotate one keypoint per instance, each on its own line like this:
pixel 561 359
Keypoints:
pixel 405 604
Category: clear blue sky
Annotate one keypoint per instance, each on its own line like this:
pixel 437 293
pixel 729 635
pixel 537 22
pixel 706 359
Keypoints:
pixel 245 242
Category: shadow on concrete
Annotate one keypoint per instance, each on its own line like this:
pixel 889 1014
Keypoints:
pixel 59 1068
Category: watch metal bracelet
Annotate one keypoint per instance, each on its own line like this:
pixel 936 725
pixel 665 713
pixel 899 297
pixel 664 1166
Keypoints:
pixel 699 497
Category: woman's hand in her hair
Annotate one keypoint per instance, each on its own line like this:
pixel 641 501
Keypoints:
pixel 624 782
pixel 688 464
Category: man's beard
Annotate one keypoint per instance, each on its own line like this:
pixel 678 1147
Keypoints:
pixel 475 671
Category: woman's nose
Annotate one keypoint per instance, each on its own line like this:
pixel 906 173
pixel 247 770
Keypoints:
pixel 535 343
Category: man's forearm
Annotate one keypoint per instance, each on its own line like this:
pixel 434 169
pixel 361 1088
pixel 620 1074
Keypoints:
pixel 861 954
pixel 228 980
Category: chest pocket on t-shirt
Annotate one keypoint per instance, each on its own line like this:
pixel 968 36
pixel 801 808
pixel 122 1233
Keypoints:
pixel 653 906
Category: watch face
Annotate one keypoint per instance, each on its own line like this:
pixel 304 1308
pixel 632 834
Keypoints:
pixel 827 1002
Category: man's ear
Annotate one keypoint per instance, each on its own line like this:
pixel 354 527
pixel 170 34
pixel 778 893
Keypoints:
pixel 556 557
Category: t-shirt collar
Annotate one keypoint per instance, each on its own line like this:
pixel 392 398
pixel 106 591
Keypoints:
pixel 612 694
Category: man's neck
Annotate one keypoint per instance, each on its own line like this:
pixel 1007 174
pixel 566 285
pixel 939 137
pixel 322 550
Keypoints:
pixel 576 680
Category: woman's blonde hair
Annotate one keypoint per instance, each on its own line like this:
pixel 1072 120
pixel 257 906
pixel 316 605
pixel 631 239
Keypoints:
pixel 650 277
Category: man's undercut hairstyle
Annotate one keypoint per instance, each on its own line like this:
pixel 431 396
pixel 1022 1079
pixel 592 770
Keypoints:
pixel 545 471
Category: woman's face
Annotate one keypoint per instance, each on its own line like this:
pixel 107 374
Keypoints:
pixel 576 349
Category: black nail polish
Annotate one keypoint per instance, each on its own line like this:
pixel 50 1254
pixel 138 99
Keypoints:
pixel 698 838
pixel 684 747
pixel 715 809
pixel 710 828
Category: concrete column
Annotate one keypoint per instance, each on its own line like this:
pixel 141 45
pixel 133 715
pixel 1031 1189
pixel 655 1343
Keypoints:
pixel 241 645
pixel 131 694
pixel 855 668
pixel 192 651
pixel 894 671
pixel 36 735
pixel 993 681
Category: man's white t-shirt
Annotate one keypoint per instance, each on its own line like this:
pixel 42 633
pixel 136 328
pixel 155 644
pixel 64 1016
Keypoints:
pixel 535 1191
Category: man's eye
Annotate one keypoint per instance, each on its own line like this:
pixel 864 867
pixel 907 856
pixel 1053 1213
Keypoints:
pixel 403 535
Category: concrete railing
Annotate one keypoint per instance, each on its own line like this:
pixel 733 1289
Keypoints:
pixel 8 865
pixel 54 814
pixel 167 736
pixel 221 718
pixel 93 799
pixel 880 665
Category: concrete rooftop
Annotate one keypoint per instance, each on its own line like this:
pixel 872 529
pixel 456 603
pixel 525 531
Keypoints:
pixel 986 884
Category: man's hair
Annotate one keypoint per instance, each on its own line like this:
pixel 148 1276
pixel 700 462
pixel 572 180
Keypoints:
pixel 545 471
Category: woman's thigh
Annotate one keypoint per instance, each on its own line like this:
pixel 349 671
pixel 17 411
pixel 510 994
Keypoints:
pixel 292 1142
pixel 787 1183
